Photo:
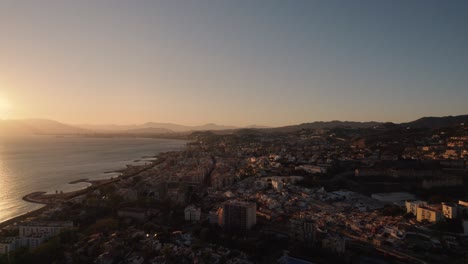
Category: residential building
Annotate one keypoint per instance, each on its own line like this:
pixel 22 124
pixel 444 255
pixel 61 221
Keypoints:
pixel 51 228
pixel 430 214
pixel 450 210
pixel 412 206
pixel 33 234
pixel 334 243
pixel 239 215
pixel 216 217
pixel 8 244
pixel 192 213
pixel 302 229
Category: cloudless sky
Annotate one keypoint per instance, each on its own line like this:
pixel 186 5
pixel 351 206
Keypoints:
pixel 238 62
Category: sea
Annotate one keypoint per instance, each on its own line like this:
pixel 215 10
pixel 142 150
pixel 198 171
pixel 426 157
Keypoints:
pixel 49 163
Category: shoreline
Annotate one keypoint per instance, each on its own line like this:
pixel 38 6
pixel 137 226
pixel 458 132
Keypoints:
pixel 24 216
pixel 48 200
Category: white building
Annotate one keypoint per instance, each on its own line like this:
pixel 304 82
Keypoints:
pixel 8 244
pixel 50 228
pixel 32 241
pixel 192 213
pixel 32 234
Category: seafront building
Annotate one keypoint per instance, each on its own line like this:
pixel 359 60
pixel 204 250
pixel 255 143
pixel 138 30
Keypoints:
pixel 8 244
pixel 33 234
pixel 51 228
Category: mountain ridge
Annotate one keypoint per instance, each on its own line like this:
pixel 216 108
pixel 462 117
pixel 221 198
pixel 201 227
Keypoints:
pixel 51 127
pixel 434 122
pixel 37 127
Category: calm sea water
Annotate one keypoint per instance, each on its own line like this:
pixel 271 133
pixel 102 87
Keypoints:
pixel 43 163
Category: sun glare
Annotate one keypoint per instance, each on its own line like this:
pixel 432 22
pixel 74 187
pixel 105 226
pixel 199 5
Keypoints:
pixel 4 107
pixel 4 103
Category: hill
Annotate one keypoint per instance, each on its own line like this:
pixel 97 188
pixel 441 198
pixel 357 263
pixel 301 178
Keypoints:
pixel 323 125
pixel 435 122
pixel 149 130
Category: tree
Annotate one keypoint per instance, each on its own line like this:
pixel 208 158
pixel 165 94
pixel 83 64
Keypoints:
pixel 149 227
pixel 48 252
pixel 68 236
pixel 103 225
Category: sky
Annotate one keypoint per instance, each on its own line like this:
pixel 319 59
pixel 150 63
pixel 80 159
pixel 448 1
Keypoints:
pixel 239 62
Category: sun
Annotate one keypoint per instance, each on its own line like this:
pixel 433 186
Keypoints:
pixel 4 103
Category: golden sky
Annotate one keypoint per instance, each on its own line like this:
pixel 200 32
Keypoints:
pixel 231 62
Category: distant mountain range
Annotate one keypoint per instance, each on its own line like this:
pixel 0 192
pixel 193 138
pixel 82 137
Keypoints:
pixel 37 127
pixel 50 127
pixel 147 127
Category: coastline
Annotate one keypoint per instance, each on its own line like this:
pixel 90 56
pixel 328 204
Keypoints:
pixel 24 216
pixel 48 200
pixel 45 198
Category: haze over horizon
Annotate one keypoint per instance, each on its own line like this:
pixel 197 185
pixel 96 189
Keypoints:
pixel 234 63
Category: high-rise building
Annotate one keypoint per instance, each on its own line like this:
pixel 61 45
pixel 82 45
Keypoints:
pixel 412 206
pixel 239 215
pixel 430 214
pixel 302 228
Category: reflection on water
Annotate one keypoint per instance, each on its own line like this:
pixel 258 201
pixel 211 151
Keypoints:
pixel 29 164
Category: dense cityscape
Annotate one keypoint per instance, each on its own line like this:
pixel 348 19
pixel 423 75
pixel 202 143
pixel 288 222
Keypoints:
pixel 233 132
pixel 382 194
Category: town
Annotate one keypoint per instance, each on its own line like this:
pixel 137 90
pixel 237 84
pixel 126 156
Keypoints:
pixel 383 194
